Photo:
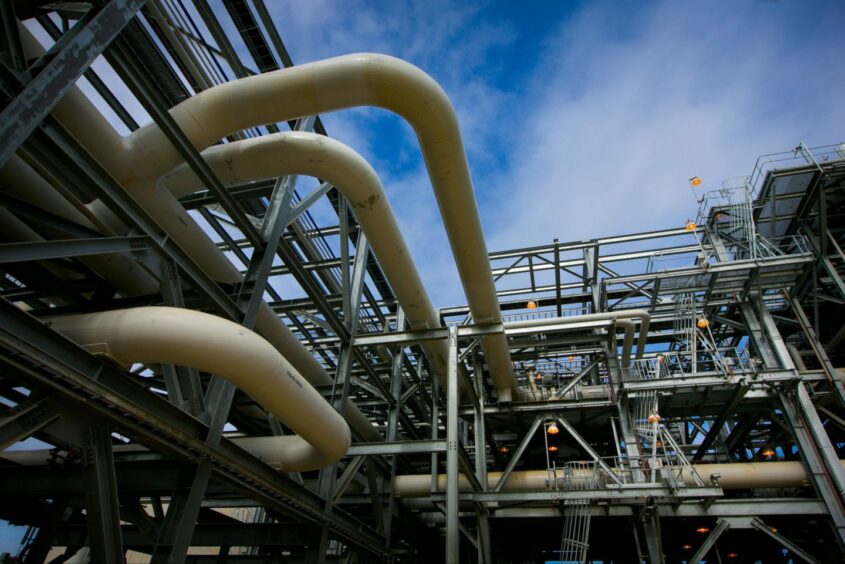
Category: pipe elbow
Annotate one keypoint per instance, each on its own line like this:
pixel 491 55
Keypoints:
pixel 164 335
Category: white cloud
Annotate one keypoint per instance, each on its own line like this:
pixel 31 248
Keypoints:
pixel 617 123
pixel 597 137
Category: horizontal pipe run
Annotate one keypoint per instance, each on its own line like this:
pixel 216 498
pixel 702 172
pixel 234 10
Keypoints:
pixel 734 476
pixel 163 335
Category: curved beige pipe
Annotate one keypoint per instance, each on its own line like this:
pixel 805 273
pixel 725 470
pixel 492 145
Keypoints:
pixel 734 476
pixel 190 338
pixel 334 84
pixel 618 316
pixel 309 154
pixel 120 156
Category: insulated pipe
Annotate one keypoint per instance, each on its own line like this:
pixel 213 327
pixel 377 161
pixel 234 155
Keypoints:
pixel 164 335
pixel 334 84
pixel 309 154
pixel 796 358
pixel 79 116
pixel 733 476
pixel 641 314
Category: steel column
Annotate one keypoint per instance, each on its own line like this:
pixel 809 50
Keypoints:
pixel 101 503
pixel 26 419
pixel 817 454
pixel 758 524
pixel 453 533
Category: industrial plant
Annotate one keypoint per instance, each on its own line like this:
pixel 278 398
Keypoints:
pixel 662 396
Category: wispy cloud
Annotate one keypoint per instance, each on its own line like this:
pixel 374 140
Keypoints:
pixel 589 124
pixel 618 119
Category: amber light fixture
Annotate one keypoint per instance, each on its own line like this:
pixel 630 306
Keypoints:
pixel 504 450
pixel 532 304
pixel 702 530
pixel 687 547
pixel 654 418
pixel 553 448
pixel 695 181
pixel 732 555
pixel 768 452
pixel 703 323
pixel 553 430
pixel 690 225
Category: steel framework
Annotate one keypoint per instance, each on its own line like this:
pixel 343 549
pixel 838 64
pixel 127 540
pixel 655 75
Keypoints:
pixel 723 433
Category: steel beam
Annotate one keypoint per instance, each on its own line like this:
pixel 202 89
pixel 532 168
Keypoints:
pixel 452 455
pixel 590 450
pixel 817 454
pixel 721 526
pixel 46 250
pixel 523 445
pixel 758 524
pixel 397 447
pixel 740 390
pixel 30 106
pixel 26 419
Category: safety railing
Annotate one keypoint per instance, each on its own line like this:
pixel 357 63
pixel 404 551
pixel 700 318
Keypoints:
pixel 681 364
pixel 800 155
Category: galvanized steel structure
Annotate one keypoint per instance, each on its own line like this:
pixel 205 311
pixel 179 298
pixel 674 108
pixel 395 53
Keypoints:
pixel 654 396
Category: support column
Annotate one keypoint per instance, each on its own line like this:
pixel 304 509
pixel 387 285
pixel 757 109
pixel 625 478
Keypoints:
pixel 650 520
pixel 453 534
pixel 480 431
pixel 101 503
pixel 818 455
pixel 327 480
pixel 392 427
pixel 29 107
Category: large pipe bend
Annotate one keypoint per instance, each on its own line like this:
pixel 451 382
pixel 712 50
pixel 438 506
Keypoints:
pixel 163 335
pixel 309 154
pixel 334 84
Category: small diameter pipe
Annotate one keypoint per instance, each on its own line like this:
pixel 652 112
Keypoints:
pixel 163 335
pixel 309 154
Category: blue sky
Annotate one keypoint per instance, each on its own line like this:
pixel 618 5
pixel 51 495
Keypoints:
pixel 580 119
pixel 584 119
